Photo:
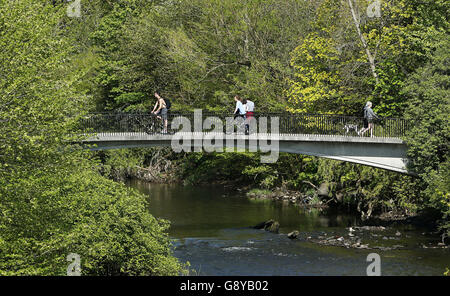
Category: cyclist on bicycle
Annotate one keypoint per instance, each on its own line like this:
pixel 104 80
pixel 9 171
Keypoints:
pixel 160 110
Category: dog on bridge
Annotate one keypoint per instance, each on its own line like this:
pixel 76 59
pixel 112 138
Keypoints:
pixel 349 127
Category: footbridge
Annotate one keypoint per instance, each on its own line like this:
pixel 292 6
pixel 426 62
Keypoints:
pixel 328 136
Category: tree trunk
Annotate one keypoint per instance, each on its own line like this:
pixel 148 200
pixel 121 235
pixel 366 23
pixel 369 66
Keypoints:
pixel 370 57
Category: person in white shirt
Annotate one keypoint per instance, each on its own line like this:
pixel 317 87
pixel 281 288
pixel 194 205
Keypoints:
pixel 240 110
pixel 250 106
pixel 249 109
pixel 239 114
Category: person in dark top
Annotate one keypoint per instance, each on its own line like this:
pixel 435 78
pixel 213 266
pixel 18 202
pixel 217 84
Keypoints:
pixel 369 116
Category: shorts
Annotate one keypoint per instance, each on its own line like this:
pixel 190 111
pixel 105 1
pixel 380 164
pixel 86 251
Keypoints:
pixel 163 113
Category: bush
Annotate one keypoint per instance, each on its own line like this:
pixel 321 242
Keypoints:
pixel 50 216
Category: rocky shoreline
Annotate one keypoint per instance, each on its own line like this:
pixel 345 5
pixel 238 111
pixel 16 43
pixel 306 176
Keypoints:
pixel 371 238
pixel 290 196
pixel 358 237
pixel 318 201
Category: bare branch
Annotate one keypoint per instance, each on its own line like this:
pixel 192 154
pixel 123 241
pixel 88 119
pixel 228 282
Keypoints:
pixel 371 58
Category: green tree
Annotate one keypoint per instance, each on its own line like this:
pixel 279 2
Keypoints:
pixel 317 80
pixel 351 57
pixel 202 53
pixel 53 201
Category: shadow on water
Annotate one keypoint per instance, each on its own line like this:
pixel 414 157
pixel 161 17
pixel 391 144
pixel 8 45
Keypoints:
pixel 210 228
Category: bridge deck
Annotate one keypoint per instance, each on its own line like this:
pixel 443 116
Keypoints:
pixel 139 136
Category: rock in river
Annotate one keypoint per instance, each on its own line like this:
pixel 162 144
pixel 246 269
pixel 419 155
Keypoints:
pixel 274 227
pixel 264 224
pixel 293 234
pixel 323 189
pixel 269 225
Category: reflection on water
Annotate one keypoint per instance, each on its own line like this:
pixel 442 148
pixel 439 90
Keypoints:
pixel 210 229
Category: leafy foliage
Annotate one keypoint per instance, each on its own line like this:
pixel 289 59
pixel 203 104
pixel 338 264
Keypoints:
pixel 53 201
pixel 332 71
pixel 428 139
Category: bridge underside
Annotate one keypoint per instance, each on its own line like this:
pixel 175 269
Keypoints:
pixel 385 153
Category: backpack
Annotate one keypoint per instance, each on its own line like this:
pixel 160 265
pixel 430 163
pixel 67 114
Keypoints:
pixel 168 104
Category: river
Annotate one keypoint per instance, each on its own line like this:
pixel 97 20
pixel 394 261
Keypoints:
pixel 210 228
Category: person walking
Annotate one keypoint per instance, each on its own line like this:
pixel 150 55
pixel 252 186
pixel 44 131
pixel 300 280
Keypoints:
pixel 239 111
pixel 369 116
pixel 249 113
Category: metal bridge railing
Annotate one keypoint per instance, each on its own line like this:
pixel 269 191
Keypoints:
pixel 312 124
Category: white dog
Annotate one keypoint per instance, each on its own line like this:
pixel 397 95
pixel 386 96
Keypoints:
pixel 349 127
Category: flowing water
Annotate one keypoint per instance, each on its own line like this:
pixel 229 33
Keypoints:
pixel 211 228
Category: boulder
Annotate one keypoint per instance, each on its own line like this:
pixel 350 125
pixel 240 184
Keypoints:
pixel 274 227
pixel 269 225
pixel 264 225
pixel 293 234
pixel 323 189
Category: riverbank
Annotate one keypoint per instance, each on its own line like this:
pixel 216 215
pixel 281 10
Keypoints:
pixel 315 200
pixel 381 222
pixel 376 238
pixel 296 197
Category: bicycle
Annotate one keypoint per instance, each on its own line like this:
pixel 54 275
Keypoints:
pixel 148 123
